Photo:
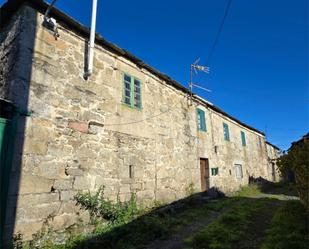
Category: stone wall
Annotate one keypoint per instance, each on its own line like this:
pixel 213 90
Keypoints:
pixel 81 135
pixel 9 49
pixel 225 154
pixel 273 153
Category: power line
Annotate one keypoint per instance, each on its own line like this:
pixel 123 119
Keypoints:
pixel 219 32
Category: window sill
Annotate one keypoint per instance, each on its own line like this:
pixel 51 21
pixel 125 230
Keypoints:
pixel 132 107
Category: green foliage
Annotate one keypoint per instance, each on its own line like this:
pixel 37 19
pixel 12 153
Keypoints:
pixel 249 190
pixel 228 229
pixel 297 160
pixel 17 241
pixel 99 207
pixel 141 230
pixel 289 228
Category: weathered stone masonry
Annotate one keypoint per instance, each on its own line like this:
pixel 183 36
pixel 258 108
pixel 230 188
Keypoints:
pixel 81 135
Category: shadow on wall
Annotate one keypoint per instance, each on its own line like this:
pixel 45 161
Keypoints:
pixel 17 36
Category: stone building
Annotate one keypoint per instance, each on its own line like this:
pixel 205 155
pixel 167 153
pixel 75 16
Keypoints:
pixel 273 152
pixel 128 127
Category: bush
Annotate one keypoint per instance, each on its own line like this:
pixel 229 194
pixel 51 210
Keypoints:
pixel 99 207
pixel 297 160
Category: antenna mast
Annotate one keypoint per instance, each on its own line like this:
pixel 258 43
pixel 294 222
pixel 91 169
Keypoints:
pixel 196 68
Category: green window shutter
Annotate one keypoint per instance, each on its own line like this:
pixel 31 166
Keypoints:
pixel 243 138
pixel 214 171
pixel 127 89
pixel 201 120
pixel 226 132
pixel 132 92
pixel 137 94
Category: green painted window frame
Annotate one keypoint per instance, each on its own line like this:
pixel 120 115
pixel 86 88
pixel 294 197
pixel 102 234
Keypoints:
pixel 214 171
pixel 243 138
pixel 130 92
pixel 226 132
pixel 201 120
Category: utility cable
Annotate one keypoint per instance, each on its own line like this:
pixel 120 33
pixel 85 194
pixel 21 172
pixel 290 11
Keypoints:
pixel 219 32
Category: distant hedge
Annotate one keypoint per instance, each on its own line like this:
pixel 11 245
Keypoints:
pixel 297 160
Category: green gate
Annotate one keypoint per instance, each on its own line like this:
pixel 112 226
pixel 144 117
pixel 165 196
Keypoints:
pixel 8 121
pixel 5 130
pixel 5 127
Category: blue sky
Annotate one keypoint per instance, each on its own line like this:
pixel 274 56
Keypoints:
pixel 259 69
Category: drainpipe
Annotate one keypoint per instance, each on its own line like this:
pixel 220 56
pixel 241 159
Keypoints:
pixel 91 40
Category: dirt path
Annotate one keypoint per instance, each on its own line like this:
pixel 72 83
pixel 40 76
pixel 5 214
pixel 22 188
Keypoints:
pixel 255 233
pixel 259 223
pixel 175 241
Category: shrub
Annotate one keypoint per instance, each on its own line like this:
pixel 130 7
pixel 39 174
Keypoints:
pixel 297 160
pixel 99 207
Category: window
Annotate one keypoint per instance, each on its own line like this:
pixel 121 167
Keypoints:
pixel 238 171
pixel 214 171
pixel 201 122
pixel 243 138
pixel 132 91
pixel 226 132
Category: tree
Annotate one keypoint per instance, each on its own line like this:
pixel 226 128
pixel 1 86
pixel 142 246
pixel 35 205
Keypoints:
pixel 297 160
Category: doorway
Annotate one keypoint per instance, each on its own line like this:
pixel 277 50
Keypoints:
pixel 204 166
pixel 273 172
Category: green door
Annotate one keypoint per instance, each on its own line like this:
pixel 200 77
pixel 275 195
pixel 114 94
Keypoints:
pixel 4 126
pixel 5 156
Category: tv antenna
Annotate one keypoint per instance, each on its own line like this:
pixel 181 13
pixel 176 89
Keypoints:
pixel 195 67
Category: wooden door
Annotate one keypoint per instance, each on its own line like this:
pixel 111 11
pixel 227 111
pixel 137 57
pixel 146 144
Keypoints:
pixel 204 165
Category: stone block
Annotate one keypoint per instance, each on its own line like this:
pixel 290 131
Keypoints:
pixel 30 200
pixel 38 212
pixel 124 189
pixel 137 187
pixel 86 151
pixel 149 185
pixel 74 172
pixel 79 126
pixel 34 146
pixel 63 221
pixel 66 195
pixel 31 184
pixel 59 150
pixel 63 184
pixel 82 183
pixel 51 170
pixel 47 37
pixel 68 207
pixel 146 194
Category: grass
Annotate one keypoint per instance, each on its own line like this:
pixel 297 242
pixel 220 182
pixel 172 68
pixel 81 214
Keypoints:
pixel 289 228
pixel 150 227
pixel 146 228
pixel 243 224
pixel 230 228
pixel 249 191
pixel 278 190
